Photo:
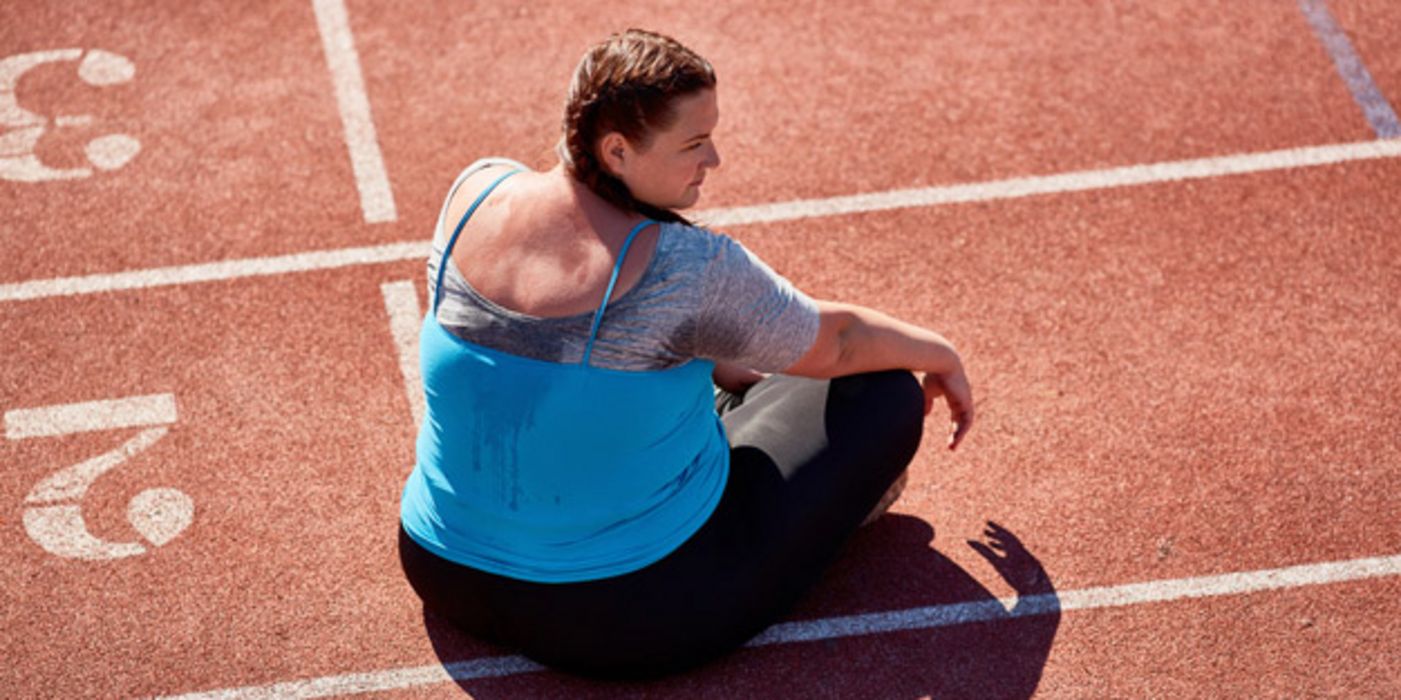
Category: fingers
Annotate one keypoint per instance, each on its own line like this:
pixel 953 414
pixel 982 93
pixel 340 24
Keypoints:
pixel 962 422
pixel 1000 534
pixel 961 415
pixel 954 389
pixel 960 400
pixel 982 549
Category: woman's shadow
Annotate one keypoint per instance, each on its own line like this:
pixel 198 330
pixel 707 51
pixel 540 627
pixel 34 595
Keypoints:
pixel 945 634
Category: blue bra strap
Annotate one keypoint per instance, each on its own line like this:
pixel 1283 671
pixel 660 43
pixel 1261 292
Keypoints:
pixel 598 315
pixel 443 262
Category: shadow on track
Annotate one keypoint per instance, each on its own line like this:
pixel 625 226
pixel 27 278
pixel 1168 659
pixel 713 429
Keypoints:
pixel 888 565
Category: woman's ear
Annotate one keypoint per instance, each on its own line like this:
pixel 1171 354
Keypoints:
pixel 613 153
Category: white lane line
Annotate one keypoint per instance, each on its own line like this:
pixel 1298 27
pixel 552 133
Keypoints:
pixel 1081 599
pixel 405 317
pixel 1354 73
pixel 872 623
pixel 376 199
pixel 50 421
pixel 215 271
pixel 1170 171
pixel 374 681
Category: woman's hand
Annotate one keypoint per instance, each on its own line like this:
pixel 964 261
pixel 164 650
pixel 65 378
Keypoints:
pixel 953 386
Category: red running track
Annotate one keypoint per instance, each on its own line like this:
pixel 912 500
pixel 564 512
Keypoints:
pixel 1175 379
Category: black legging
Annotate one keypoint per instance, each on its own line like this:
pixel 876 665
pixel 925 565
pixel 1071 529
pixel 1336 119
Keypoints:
pixel 809 460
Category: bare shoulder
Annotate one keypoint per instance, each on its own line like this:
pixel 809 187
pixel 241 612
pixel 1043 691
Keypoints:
pixel 475 179
pixel 480 175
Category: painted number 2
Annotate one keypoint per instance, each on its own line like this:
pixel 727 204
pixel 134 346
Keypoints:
pixel 53 514
pixel 21 129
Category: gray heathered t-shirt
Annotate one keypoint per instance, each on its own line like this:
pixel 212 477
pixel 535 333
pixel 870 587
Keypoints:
pixel 703 295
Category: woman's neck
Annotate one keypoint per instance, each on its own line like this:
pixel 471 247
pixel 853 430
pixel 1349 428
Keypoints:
pixel 586 207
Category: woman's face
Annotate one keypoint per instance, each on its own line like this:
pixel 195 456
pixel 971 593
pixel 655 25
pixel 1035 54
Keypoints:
pixel 669 171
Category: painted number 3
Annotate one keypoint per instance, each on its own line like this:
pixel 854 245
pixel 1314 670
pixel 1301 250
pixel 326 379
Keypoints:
pixel 20 129
pixel 53 514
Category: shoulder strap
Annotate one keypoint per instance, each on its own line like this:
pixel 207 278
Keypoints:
pixel 443 261
pixel 618 267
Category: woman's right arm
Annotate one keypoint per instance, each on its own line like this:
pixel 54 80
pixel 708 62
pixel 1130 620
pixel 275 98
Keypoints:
pixel 853 339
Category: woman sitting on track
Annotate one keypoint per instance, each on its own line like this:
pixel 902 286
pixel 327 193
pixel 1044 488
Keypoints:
pixel 583 493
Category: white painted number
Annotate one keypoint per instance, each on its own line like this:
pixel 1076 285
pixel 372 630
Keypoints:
pixel 21 129
pixel 53 517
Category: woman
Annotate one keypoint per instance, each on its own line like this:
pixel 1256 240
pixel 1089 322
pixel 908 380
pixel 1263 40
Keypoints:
pixel 578 494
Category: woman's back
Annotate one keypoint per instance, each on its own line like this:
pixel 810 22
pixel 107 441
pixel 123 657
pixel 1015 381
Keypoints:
pixel 537 458
pixel 537 248
pixel 552 471
pixel 680 294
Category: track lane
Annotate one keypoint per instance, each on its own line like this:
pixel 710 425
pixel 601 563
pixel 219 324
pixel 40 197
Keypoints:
pixel 274 408
pixel 992 659
pixel 292 440
pixel 1194 381
pixel 293 427
pixel 242 151
pixel 813 105
pixel 259 180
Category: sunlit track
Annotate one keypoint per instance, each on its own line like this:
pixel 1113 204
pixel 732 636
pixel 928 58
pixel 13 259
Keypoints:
pixel 1161 235
pixel 1077 181
pixel 1237 583
pixel 371 179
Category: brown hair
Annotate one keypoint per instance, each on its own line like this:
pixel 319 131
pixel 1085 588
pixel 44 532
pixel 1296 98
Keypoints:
pixel 627 83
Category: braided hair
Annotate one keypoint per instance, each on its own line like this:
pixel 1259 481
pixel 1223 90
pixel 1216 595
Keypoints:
pixel 627 84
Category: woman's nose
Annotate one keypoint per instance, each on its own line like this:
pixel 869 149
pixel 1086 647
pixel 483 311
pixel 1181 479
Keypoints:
pixel 714 160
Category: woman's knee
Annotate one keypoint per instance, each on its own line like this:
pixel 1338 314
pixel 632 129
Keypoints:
pixel 889 404
pixel 893 395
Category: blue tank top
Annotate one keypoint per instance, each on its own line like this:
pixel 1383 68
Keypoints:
pixel 558 472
